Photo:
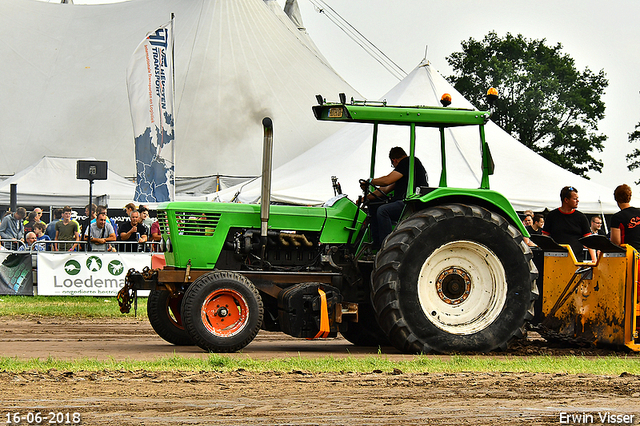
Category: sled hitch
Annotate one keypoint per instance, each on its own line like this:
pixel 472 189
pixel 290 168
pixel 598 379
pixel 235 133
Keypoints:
pixel 346 312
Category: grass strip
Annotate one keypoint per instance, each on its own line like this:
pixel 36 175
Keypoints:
pixel 609 366
pixel 67 306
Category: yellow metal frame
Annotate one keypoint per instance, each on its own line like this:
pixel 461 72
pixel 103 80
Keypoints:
pixel 632 339
pixel 593 301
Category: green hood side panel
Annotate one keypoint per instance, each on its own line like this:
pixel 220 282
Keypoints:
pixel 340 221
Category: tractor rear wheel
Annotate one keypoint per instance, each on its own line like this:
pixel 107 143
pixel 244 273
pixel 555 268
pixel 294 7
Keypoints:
pixel 454 278
pixel 222 311
pixel 163 309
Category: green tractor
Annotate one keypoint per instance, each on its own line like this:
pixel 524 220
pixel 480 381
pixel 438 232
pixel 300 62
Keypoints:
pixel 454 275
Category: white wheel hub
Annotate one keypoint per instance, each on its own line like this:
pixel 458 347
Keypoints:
pixel 462 287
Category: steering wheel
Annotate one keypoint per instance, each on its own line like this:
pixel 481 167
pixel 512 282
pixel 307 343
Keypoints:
pixel 366 185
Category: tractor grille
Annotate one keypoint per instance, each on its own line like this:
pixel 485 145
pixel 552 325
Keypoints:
pixel 197 223
pixel 163 222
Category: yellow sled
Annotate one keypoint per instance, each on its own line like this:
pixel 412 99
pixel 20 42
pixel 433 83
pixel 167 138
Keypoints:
pixel 591 302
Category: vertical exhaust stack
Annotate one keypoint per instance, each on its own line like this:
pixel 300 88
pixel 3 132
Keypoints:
pixel 265 197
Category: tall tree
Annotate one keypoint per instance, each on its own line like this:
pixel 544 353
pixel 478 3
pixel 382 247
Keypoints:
pixel 545 102
pixel 633 159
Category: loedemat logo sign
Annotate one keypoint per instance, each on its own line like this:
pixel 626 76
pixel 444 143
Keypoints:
pixel 86 274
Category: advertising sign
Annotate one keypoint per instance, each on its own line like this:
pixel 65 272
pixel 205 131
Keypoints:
pixel 86 274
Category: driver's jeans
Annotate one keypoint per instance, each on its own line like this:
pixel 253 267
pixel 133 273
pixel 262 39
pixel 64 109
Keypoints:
pixel 382 218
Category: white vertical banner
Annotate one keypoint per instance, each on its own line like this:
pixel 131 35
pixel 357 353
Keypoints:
pixel 150 83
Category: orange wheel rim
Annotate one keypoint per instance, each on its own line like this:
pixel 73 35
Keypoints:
pixel 225 312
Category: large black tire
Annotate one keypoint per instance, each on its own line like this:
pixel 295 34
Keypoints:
pixel 163 310
pixel 454 278
pixel 222 311
pixel 365 332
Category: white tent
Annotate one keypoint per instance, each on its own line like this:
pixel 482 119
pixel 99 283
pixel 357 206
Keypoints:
pixel 528 180
pixel 52 182
pixel 64 93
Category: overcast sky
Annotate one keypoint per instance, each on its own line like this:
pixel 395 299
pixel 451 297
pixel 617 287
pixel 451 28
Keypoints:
pixel 598 35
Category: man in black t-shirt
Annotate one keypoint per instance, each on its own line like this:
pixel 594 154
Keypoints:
pixel 538 224
pixel 383 215
pixel 566 224
pixel 625 225
pixel 133 231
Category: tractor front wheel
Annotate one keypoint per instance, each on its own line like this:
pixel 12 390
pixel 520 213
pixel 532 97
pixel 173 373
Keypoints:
pixel 163 309
pixel 222 311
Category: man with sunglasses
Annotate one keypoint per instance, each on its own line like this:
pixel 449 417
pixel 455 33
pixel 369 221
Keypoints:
pixel 383 215
pixel 566 225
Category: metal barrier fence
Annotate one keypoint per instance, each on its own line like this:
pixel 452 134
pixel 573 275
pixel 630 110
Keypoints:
pixel 81 246
pixel 11 244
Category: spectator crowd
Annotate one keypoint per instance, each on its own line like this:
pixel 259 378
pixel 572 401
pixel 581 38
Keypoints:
pixel 96 232
pixel 566 224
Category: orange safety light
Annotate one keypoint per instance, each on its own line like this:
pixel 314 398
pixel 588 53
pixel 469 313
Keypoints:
pixel 445 100
pixel 492 95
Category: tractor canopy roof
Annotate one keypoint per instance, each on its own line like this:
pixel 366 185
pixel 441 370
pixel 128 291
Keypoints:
pixel 381 113
pixel 378 112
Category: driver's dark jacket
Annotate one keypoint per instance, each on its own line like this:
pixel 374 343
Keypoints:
pixel 419 178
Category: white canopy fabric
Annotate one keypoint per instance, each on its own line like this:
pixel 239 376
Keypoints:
pixel 237 61
pixel 52 182
pixel 528 180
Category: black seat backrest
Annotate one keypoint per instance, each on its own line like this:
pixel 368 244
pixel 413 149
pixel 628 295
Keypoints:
pixel 546 243
pixel 601 243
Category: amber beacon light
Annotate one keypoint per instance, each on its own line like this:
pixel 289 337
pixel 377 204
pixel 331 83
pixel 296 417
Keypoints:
pixel 445 100
pixel 492 95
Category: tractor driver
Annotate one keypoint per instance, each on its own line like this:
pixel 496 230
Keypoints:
pixel 383 215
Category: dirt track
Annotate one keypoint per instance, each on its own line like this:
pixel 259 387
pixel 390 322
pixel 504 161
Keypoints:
pixel 292 398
